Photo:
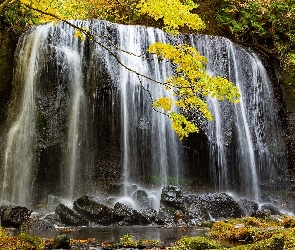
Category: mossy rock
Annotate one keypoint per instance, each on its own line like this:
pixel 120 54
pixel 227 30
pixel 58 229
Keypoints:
pixel 196 243
pixel 274 243
pixel 61 241
pixel 33 240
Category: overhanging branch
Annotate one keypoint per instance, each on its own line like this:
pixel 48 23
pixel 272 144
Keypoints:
pixel 94 39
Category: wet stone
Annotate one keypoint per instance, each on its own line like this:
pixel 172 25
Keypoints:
pixel 128 216
pixel 171 196
pixel 37 224
pixel 94 211
pixel 249 207
pixel 274 210
pixel 13 216
pixel 142 199
pixel 70 217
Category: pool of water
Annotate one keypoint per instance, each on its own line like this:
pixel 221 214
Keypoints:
pixel 165 236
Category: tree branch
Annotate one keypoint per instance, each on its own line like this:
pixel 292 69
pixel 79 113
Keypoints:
pixel 93 38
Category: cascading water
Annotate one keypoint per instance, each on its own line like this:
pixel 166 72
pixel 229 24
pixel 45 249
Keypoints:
pixel 149 142
pixel 19 156
pixel 86 120
pixel 67 119
pixel 246 140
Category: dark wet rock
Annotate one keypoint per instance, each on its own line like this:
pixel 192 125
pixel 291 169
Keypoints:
pixel 70 217
pixel 150 214
pixel 2 206
pixel 178 215
pixel 217 205
pixel 196 213
pixel 171 196
pixel 181 223
pixel 128 216
pixel 142 199
pixel 265 211
pixel 55 219
pixel 274 210
pixel 61 241
pixel 262 214
pixel 166 215
pixel 93 210
pixel 13 216
pixel 34 225
pixel 249 207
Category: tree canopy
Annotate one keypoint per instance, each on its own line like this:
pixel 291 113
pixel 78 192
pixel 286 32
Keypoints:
pixel 190 83
pixel 264 25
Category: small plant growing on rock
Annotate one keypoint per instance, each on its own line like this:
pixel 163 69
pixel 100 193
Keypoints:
pixel 127 242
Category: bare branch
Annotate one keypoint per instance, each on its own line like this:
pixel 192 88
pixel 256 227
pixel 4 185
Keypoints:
pixel 125 51
pixel 151 97
pixel 94 39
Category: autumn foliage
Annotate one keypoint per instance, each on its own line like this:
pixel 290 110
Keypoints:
pixel 190 83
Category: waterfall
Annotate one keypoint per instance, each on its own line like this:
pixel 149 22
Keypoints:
pixel 19 155
pixel 80 121
pixel 141 126
pixel 246 140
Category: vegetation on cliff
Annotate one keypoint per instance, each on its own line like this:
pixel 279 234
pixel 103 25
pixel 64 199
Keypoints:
pixel 266 26
pixel 190 83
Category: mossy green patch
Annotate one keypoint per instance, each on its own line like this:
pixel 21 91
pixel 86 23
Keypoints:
pixel 22 241
pixel 196 243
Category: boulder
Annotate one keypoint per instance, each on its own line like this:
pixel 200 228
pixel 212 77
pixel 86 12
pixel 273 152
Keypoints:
pixel 195 214
pixel 152 216
pixel 142 199
pixel 93 210
pixel 171 196
pixel 274 210
pixel 178 215
pixel 34 225
pixel 55 219
pixel 13 216
pixel 265 211
pixel 248 207
pixel 217 205
pixel 166 215
pixel 128 216
pixel 61 241
pixel 262 214
pixel 70 217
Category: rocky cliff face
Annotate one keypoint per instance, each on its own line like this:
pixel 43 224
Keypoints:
pixel 284 85
pixel 89 118
pixel 289 100
pixel 7 48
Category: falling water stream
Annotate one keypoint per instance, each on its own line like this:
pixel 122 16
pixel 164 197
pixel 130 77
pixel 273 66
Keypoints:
pixel 19 154
pixel 252 126
pixel 77 102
